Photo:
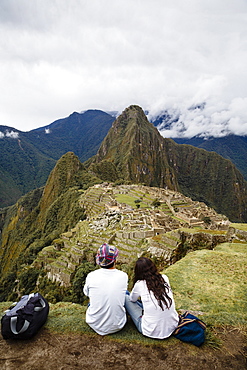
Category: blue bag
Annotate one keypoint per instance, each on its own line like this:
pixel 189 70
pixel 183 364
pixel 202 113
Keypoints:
pixel 190 329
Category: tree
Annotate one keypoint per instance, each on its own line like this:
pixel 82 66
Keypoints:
pixel 79 281
pixel 137 202
pixel 156 203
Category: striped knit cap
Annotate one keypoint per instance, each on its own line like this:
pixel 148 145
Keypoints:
pixel 106 255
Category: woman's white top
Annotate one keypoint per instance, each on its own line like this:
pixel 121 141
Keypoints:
pixel 155 322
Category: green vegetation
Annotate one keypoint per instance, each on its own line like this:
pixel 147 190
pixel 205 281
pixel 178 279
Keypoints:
pixel 106 171
pixel 213 282
pixel 28 279
pixel 239 226
pixel 126 155
pixel 205 181
pixel 37 219
pixel 46 227
pixel 26 162
pixel 23 168
pixel 79 281
pixel 130 200
pixel 209 282
pixel 230 147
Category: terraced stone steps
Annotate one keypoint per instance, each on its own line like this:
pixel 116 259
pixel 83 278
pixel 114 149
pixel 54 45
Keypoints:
pixel 133 230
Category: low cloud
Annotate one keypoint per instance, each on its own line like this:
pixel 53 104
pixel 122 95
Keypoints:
pixel 12 134
pixel 58 58
pixel 205 120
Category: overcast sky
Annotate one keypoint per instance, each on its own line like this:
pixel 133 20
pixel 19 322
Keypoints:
pixel 61 56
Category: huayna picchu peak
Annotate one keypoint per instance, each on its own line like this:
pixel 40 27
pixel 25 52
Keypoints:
pixel 134 151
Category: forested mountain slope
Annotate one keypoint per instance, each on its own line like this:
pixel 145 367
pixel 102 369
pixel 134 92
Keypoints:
pixel 231 147
pixel 27 158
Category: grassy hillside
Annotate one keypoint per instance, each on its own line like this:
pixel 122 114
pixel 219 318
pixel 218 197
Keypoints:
pixel 209 282
pixel 212 283
pixel 40 217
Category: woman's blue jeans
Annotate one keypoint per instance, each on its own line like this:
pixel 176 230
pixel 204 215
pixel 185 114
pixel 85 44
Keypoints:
pixel 134 309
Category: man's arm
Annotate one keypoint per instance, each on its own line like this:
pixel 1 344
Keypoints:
pixel 86 288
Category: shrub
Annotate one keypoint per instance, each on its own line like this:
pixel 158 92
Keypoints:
pixel 7 285
pixel 27 280
pixel 79 281
pixel 156 203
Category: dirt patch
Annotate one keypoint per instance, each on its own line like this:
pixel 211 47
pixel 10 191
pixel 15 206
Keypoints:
pixel 59 352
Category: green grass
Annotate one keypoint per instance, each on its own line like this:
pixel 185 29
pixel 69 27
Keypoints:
pixel 213 282
pixel 213 232
pixel 130 200
pixel 69 318
pixel 199 229
pixel 239 226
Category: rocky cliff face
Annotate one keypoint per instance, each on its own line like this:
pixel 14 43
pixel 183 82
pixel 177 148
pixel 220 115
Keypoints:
pixel 138 153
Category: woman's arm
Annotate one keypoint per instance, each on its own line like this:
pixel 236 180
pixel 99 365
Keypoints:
pixel 135 293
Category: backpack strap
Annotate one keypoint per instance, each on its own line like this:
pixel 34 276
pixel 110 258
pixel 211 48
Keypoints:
pixel 187 318
pixel 34 298
pixel 43 304
pixel 13 322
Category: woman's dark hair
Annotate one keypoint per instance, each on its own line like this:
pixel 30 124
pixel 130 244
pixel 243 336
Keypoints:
pixel 146 270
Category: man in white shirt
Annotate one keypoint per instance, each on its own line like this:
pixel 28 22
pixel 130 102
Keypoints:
pixel 106 288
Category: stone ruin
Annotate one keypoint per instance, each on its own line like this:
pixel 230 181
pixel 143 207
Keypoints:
pixel 157 231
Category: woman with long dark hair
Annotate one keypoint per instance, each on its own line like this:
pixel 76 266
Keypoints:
pixel 155 315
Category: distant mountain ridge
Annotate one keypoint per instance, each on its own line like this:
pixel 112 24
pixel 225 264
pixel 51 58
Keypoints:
pixel 81 133
pixel 23 167
pixel 27 158
pixel 230 146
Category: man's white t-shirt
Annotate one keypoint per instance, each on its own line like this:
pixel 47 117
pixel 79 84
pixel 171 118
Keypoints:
pixel 155 322
pixel 106 290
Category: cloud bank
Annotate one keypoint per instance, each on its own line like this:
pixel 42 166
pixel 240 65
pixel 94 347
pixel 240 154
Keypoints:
pixel 164 55
pixel 205 120
pixel 11 134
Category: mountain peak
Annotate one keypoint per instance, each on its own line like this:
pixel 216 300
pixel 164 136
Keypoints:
pixel 129 129
pixel 133 115
pixel 134 148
